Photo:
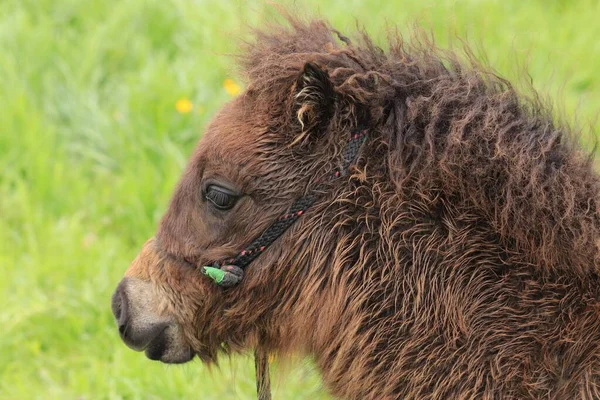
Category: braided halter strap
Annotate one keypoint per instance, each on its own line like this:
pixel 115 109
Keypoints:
pixel 228 273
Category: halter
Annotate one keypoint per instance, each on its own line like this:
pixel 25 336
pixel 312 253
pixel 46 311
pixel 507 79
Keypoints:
pixel 229 272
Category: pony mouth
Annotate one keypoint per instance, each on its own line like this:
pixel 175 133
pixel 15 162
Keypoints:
pixel 156 347
pixel 162 348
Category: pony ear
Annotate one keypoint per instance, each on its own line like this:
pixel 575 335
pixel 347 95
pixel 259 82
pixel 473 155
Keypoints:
pixel 314 101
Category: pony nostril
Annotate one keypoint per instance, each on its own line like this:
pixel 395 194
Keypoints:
pixel 119 307
pixel 116 306
pixel 137 325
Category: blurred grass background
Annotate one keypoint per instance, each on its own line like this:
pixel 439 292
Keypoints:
pixel 101 102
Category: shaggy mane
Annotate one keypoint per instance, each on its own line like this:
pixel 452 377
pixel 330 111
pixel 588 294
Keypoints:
pixel 451 127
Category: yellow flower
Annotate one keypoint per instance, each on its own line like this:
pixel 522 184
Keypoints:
pixel 231 87
pixel 184 105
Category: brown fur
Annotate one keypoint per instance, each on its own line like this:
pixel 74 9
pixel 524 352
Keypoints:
pixel 458 260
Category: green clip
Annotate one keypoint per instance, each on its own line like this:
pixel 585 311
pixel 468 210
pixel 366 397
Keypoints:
pixel 215 274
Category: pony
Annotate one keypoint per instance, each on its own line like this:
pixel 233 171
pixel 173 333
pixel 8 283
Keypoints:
pixel 456 256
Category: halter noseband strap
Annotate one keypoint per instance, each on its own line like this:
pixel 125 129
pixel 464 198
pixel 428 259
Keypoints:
pixel 229 272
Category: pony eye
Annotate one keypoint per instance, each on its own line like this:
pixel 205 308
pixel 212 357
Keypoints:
pixel 220 197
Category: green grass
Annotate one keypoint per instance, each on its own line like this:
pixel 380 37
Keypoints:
pixel 91 146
